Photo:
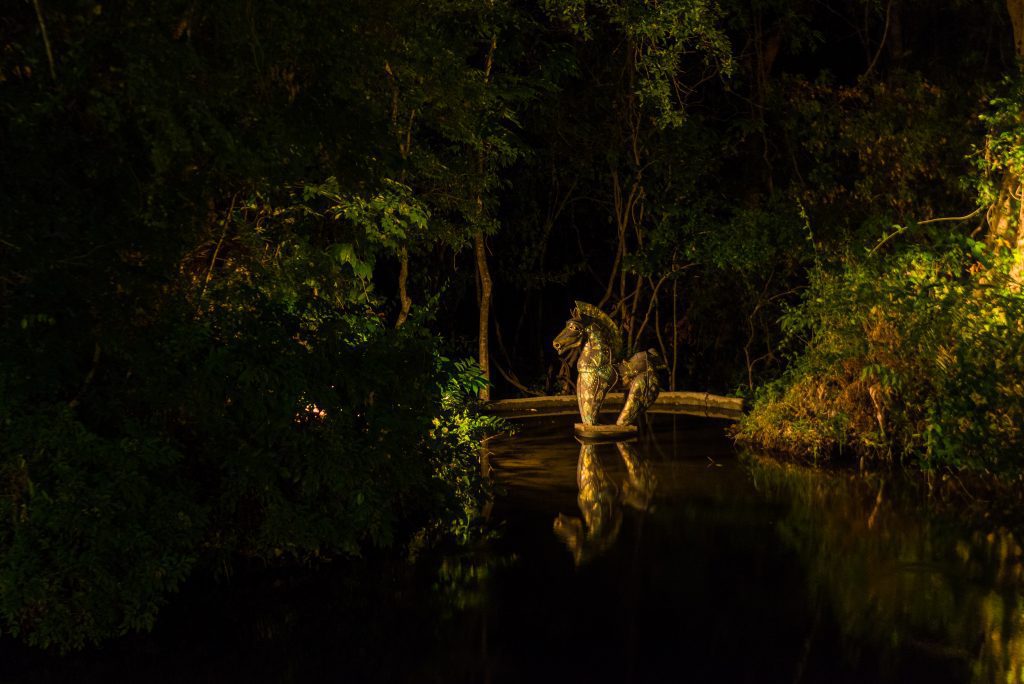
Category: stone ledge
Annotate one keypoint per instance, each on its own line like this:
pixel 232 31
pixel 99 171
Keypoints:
pixel 667 402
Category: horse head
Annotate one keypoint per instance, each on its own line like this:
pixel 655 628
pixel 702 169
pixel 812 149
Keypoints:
pixel 573 335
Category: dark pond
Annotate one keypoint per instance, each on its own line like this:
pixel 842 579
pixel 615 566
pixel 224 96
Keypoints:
pixel 665 559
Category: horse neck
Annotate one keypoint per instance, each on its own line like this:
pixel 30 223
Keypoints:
pixel 596 342
pixel 596 352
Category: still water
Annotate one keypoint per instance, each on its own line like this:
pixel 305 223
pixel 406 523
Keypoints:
pixel 669 558
pixel 673 559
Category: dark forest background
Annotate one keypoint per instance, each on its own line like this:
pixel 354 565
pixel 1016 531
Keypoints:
pixel 250 253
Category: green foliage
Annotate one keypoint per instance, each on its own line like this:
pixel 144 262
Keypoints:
pixel 96 531
pixel 875 152
pixel 456 438
pixel 915 357
pixel 194 352
pixel 908 354
pixel 1004 142
pixel 240 441
pixel 999 163
pixel 659 36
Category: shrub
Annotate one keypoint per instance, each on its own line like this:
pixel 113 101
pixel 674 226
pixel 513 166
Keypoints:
pixel 914 357
pixel 256 430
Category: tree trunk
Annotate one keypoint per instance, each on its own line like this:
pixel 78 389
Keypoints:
pixel 484 274
pixel 1016 9
pixel 1000 215
pixel 1006 216
pixel 46 39
pixel 675 334
pixel 404 149
pixel 403 292
pixel 482 271
pixel 1017 270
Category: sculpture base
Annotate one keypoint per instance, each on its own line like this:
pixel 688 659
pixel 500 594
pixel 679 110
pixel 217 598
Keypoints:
pixel 609 432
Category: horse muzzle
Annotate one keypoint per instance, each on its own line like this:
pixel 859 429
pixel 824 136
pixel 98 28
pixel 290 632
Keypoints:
pixel 562 346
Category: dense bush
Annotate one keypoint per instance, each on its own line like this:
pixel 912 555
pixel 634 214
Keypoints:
pixel 197 361
pixel 913 357
pixel 236 442
pixel 261 410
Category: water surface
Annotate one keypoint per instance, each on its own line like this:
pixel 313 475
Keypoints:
pixel 669 558
pixel 672 558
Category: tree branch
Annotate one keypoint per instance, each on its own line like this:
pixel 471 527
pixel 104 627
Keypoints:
pixel 46 39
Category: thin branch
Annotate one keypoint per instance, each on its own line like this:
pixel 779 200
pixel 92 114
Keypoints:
pixel 761 301
pixel 78 257
pixel 89 376
pixel 657 332
pixel 617 194
pixel 650 305
pixel 885 34
pixel 46 39
pixel 216 251
pixel 511 379
pixel 902 229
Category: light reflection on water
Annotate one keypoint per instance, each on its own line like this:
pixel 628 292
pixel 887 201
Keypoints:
pixel 745 568
pixel 601 499
pixel 894 573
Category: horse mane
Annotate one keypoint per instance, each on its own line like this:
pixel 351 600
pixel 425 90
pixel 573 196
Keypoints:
pixel 589 312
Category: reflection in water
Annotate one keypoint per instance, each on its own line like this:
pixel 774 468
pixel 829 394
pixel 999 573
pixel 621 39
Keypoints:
pixel 751 571
pixel 638 489
pixel 916 582
pixel 601 500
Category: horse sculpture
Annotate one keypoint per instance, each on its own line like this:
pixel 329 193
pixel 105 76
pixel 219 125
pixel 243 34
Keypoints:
pixel 601 361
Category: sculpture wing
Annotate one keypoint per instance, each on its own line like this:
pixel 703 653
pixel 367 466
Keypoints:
pixel 605 322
